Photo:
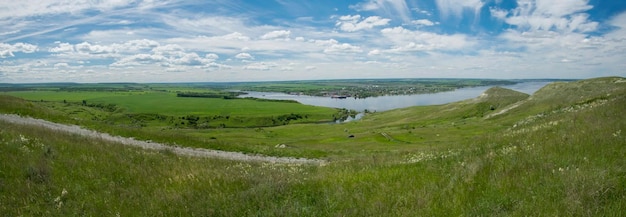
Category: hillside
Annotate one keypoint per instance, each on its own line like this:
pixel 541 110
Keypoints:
pixel 558 152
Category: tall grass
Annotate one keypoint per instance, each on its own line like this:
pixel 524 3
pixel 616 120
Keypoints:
pixel 575 168
pixel 565 160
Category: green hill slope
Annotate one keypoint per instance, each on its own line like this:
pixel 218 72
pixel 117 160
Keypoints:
pixel 558 95
pixel 559 152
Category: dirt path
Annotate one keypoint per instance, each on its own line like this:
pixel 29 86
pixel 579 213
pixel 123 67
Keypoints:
pixel 196 152
pixel 505 110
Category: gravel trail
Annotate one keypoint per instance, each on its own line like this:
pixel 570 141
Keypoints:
pixel 185 151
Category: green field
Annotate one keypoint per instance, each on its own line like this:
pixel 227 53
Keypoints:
pixel 559 152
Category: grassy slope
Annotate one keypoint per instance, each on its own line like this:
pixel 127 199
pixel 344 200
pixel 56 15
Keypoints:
pixel 567 161
pixel 559 152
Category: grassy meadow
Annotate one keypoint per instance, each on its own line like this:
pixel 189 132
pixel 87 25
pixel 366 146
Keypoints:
pixel 559 152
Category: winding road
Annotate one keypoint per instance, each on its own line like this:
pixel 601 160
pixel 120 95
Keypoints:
pixel 184 151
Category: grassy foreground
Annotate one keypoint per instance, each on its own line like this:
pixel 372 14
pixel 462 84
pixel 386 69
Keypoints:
pixel 559 152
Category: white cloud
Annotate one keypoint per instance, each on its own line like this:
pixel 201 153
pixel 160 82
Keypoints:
pixel 142 44
pixel 244 56
pixel 86 47
pixel 173 56
pixel 343 48
pixel 7 50
pixel 87 50
pixel 235 36
pixel 392 8
pixel 211 56
pixel 544 36
pixel 498 13
pixel 61 65
pixel 546 15
pixel 25 8
pixel 325 42
pixel 354 23
pixel 423 22
pixel 191 59
pixel 231 43
pixel 9 32
pixel 561 48
pixel 140 59
pixel 279 34
pixel 261 66
pixel 455 8
pixel 407 40
pixel 62 48
pixel 212 24
pixel 169 49
pixel 374 52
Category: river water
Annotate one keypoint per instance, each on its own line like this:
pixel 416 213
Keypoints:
pixel 384 103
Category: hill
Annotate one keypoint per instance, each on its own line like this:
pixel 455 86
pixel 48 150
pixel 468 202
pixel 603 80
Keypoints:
pixel 558 152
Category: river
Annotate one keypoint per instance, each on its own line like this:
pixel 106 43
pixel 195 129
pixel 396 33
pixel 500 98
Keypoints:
pixel 384 103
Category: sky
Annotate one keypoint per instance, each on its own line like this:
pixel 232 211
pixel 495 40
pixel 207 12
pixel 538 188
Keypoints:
pixel 270 40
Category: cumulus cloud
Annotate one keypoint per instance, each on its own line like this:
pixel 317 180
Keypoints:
pixel 152 53
pixel 61 65
pixel 498 13
pixel 62 48
pixel 423 22
pixel 280 34
pixel 86 47
pixel 191 59
pixel 374 52
pixel 140 59
pixel 169 49
pixel 343 48
pixel 354 23
pixel 142 44
pixel 556 33
pixel 90 50
pixel 211 56
pixel 7 50
pixel 244 56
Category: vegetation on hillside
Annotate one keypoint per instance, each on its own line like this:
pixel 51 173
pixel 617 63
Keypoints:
pixel 558 152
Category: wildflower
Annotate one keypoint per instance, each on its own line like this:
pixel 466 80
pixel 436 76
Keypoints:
pixel 23 138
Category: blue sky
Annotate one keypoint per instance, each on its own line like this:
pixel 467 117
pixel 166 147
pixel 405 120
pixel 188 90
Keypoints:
pixel 238 40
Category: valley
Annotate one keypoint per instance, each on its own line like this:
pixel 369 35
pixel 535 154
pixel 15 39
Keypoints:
pixel 558 151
